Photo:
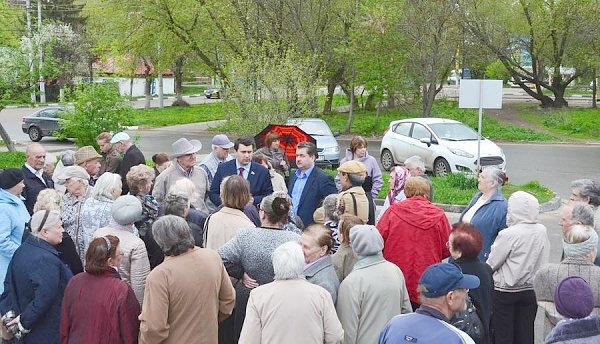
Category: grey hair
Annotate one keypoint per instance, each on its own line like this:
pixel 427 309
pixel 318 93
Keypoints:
pixel 588 188
pixel 68 158
pixel 106 185
pixel 330 207
pixel 176 203
pixel 582 213
pixel 356 179
pixel 173 235
pixel 48 199
pixel 276 208
pixel 38 216
pixel 416 161
pixel 496 175
pixel 185 185
pixel 288 261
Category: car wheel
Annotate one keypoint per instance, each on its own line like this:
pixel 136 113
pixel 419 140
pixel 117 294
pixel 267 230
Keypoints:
pixel 441 167
pixel 218 95
pixel 35 134
pixel 387 160
pixel 208 96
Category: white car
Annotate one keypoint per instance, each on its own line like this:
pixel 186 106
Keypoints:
pixel 445 145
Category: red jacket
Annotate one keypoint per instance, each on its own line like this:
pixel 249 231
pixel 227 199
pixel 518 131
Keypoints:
pixel 99 309
pixel 415 233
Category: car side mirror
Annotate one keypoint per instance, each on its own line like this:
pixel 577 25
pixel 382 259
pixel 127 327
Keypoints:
pixel 426 141
pixel 336 133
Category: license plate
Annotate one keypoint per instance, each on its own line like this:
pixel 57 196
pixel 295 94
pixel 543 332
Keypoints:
pixel 320 158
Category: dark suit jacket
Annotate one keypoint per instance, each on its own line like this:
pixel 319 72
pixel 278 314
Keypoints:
pixel 318 186
pixel 258 177
pixel 33 186
pixel 133 157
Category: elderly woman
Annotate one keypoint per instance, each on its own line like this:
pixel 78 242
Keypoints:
pixel 579 245
pixel 398 177
pixel 36 281
pixel 316 244
pixel 487 209
pixel 358 151
pixel 588 191
pixel 98 303
pixel 13 217
pixel 415 233
pixel 464 244
pixel 95 212
pixel 139 178
pixel 221 226
pixel 333 208
pixel 274 154
pixel 67 158
pixel 177 203
pixel 188 294
pixel 134 267
pixel 270 305
pixel 518 252
pixel 343 260
pixel 276 179
pixel 248 255
pixel 294 223
pixel 50 199
pixel 352 177
pixel 188 189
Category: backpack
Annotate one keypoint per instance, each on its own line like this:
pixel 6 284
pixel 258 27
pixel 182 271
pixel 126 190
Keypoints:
pixel 469 322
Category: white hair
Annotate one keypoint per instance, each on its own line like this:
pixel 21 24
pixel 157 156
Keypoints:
pixel 187 187
pixel 288 261
pixel 416 162
pixel 106 185
pixel 37 218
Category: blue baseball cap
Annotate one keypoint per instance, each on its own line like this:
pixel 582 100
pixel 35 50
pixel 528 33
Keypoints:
pixel 441 278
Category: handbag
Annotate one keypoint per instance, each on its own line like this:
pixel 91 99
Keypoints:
pixel 469 322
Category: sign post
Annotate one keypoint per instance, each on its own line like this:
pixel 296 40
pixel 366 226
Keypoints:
pixel 480 94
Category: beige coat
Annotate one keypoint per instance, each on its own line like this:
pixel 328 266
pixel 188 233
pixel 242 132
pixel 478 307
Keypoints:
pixel 186 296
pixel 173 173
pixel 135 265
pixel 278 182
pixel 362 202
pixel 343 261
pixel 223 225
pixel 271 305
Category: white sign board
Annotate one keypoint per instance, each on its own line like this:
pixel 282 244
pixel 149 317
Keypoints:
pixel 476 94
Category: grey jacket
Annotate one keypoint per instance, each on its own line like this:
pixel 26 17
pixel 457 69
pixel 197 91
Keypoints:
pixel 322 273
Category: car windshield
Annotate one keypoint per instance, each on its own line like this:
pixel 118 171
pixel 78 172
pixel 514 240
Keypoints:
pixel 453 131
pixel 315 128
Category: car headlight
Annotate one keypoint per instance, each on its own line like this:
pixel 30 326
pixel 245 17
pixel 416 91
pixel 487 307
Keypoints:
pixel 335 149
pixel 461 152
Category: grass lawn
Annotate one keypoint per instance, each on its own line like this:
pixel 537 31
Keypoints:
pixel 192 90
pixel 177 115
pixel 575 122
pixel 11 159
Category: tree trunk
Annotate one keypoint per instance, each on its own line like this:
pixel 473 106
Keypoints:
pixel 594 90
pixel 391 103
pixel 428 98
pixel 7 141
pixel 349 92
pixel 330 92
pixel 178 74
pixel 370 103
pixel 148 84
pixel 351 113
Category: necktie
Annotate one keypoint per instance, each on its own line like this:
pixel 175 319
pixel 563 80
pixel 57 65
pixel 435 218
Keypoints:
pixel 241 169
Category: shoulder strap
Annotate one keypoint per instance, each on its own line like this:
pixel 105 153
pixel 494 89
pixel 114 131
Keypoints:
pixel 205 234
pixel 354 203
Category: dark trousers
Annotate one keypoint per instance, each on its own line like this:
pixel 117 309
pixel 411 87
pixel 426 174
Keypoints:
pixel 513 317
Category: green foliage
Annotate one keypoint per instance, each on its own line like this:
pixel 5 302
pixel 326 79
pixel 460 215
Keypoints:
pixel 534 187
pixel 11 160
pixel 97 108
pixel 496 70
pixel 158 117
pixel 574 122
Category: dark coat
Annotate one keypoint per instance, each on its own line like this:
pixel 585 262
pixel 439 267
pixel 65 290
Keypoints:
pixel 34 287
pixel 318 186
pixel 33 186
pixel 68 254
pixel 133 157
pixel 258 177
pixel 481 296
pixel 108 314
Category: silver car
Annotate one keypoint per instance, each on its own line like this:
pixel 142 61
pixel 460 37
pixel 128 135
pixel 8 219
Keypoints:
pixel 328 149
pixel 42 123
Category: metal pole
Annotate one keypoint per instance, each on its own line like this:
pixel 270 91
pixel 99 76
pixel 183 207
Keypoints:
pixel 479 127
pixel 30 54
pixel 41 55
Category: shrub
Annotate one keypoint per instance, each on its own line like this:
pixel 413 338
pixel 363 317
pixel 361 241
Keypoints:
pixel 11 160
pixel 97 108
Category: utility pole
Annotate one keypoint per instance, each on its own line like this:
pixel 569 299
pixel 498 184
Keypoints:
pixel 41 55
pixel 30 55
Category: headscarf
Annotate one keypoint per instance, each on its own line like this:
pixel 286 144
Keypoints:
pixel 582 248
pixel 400 176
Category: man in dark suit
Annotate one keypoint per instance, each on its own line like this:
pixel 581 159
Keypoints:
pixel 256 174
pixel 309 185
pixel 132 156
pixel 34 177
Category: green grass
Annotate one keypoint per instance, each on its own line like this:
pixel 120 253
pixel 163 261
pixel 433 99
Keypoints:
pixel 571 91
pixel 177 115
pixel 11 159
pixel 575 122
pixel 338 100
pixel 193 90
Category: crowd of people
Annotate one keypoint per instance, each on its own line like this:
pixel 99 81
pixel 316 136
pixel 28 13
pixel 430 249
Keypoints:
pixel 242 248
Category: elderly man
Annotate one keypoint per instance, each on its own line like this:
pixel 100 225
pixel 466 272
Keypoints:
pixel 575 213
pixel 588 191
pixel 35 178
pixel 184 152
pixel 352 176
pixel 89 159
pixel 416 167
pixel 373 292
pixel 308 185
pixel 256 174
pixel 269 306
pixel 132 156
pixel 219 155
pixel 443 290
pixel 110 156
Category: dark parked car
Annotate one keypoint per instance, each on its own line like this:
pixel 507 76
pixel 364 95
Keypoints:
pixel 42 123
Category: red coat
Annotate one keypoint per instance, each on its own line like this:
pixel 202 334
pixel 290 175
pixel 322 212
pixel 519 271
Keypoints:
pixel 415 233
pixel 99 309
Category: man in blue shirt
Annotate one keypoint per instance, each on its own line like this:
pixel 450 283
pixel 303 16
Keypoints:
pixel 309 185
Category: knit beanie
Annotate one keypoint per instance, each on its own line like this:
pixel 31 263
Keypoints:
pixel 10 177
pixel 366 240
pixel 574 298
pixel 126 210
